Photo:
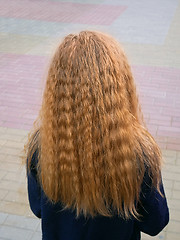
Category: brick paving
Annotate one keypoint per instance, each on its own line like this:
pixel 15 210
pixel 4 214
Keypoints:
pixel 29 33
pixel 62 11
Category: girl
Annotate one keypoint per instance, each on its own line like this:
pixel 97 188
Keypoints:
pixel 94 171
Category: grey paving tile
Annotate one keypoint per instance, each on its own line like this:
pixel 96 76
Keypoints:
pixel 36 236
pixel 175 215
pixel 3 193
pixel 31 27
pixel 172 236
pixel 3 217
pixel 22 222
pixel 174 204
pixel 176 194
pixel 135 27
pixel 12 233
pixel 168 183
pixel 177 185
pixel 38 229
pixel 174 226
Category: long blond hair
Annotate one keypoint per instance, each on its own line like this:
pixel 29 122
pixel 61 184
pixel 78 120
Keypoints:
pixel 93 150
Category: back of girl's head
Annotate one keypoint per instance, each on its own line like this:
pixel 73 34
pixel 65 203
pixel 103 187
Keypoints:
pixel 93 149
pixel 96 63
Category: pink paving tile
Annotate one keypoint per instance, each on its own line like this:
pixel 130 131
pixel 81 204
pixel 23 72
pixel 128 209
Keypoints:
pixel 159 93
pixel 102 15
pixel 16 125
pixel 171 111
pixel 176 124
pixel 159 86
pixel 160 122
pixel 174 140
pixel 168 131
pixel 61 11
pixel 23 77
pixel 160 117
pixel 176 119
pixel 150 108
pixel 174 146
pixel 161 139
pixel 165 102
pixel 152 129
pixel 162 145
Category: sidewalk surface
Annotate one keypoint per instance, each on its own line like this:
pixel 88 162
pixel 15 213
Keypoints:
pixel 29 32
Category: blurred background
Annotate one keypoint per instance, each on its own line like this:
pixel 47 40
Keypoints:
pixel 29 33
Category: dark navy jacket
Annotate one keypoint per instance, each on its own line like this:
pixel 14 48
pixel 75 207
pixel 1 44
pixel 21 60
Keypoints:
pixel 63 225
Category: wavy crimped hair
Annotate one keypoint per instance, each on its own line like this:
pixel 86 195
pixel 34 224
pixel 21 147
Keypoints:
pixel 93 150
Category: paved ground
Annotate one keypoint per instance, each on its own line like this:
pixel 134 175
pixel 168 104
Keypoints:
pixel 29 32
